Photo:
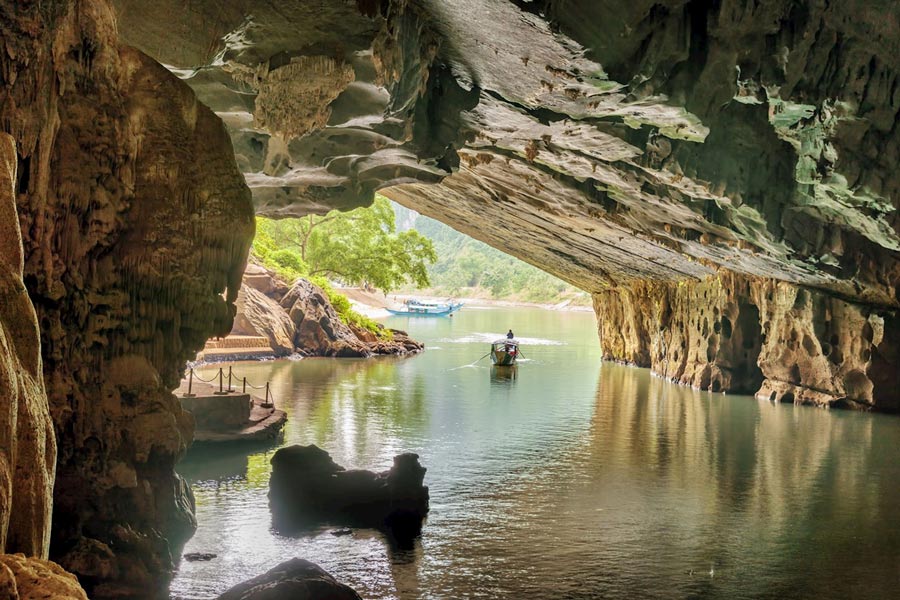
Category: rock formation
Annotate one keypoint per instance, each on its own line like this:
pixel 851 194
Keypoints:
pixel 27 441
pixel 301 320
pixel 295 579
pixel 720 175
pixel 308 488
pixel 32 579
pixel 750 335
pixel 610 143
pixel 136 225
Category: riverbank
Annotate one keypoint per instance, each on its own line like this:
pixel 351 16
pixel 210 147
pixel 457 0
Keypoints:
pixel 375 304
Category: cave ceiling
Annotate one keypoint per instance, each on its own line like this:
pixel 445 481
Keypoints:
pixel 604 141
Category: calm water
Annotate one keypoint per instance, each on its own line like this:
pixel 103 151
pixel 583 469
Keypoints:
pixel 571 480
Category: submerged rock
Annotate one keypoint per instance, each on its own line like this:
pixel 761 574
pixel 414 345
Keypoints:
pixel 295 579
pixel 307 488
pixel 199 556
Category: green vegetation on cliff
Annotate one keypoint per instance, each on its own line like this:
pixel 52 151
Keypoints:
pixel 360 247
pixel 467 267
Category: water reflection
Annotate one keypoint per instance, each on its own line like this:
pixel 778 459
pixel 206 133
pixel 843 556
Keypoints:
pixel 749 489
pixel 567 480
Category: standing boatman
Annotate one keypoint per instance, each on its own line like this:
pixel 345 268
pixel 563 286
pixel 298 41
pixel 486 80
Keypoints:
pixel 510 335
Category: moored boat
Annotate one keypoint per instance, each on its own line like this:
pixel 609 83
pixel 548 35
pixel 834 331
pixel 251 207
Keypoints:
pixel 428 309
pixel 504 352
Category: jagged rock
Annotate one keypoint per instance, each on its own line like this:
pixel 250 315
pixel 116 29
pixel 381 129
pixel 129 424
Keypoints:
pixel 295 579
pixel 199 556
pixel 260 315
pixel 304 321
pixel 318 329
pixel 623 151
pixel 32 579
pixel 307 487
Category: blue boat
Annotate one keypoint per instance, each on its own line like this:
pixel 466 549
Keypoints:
pixel 418 308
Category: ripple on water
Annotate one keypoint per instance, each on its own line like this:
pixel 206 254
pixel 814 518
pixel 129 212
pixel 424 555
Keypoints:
pixel 570 481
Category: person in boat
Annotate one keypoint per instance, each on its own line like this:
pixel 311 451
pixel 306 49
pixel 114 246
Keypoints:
pixel 510 335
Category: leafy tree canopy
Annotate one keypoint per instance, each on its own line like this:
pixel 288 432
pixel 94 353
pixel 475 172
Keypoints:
pixel 362 246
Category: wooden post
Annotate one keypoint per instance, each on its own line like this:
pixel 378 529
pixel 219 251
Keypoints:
pixel 267 394
pixel 221 380
pixel 244 389
pixel 190 383
pixel 229 379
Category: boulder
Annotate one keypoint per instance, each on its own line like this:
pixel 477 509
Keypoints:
pixel 308 488
pixel 295 579
pixel 259 315
pixel 32 578
pixel 263 280
pixel 319 330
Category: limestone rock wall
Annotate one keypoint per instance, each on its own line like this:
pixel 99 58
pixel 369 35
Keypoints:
pixel 24 578
pixel 136 225
pixel 756 336
pixel 27 441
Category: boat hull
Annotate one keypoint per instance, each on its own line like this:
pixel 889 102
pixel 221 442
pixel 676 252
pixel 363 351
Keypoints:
pixel 423 309
pixel 423 312
pixel 501 358
pixel 504 352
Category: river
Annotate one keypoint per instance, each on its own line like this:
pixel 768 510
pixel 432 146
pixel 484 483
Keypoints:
pixel 571 479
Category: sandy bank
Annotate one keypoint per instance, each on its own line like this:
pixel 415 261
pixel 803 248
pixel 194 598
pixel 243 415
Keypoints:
pixel 375 304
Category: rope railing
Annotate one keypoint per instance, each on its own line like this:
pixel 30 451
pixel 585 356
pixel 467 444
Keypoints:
pixel 268 402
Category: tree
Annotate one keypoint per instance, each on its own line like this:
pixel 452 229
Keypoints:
pixel 356 247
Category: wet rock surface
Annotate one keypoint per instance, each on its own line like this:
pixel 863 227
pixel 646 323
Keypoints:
pixel 295 579
pixel 27 440
pixel 308 488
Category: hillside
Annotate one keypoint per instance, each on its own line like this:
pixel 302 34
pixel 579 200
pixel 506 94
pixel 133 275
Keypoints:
pixel 469 268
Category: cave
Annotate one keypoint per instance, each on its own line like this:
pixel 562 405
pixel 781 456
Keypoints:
pixel 745 169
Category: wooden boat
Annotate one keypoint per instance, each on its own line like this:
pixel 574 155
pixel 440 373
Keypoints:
pixel 418 308
pixel 504 352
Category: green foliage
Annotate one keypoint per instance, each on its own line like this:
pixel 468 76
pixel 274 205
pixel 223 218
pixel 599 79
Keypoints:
pixel 345 311
pixel 467 266
pixel 288 265
pixel 356 247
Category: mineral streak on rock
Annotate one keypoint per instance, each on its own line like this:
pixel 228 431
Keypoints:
pixel 753 335
pixel 136 225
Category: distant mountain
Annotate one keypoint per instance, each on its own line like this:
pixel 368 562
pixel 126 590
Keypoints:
pixel 467 267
